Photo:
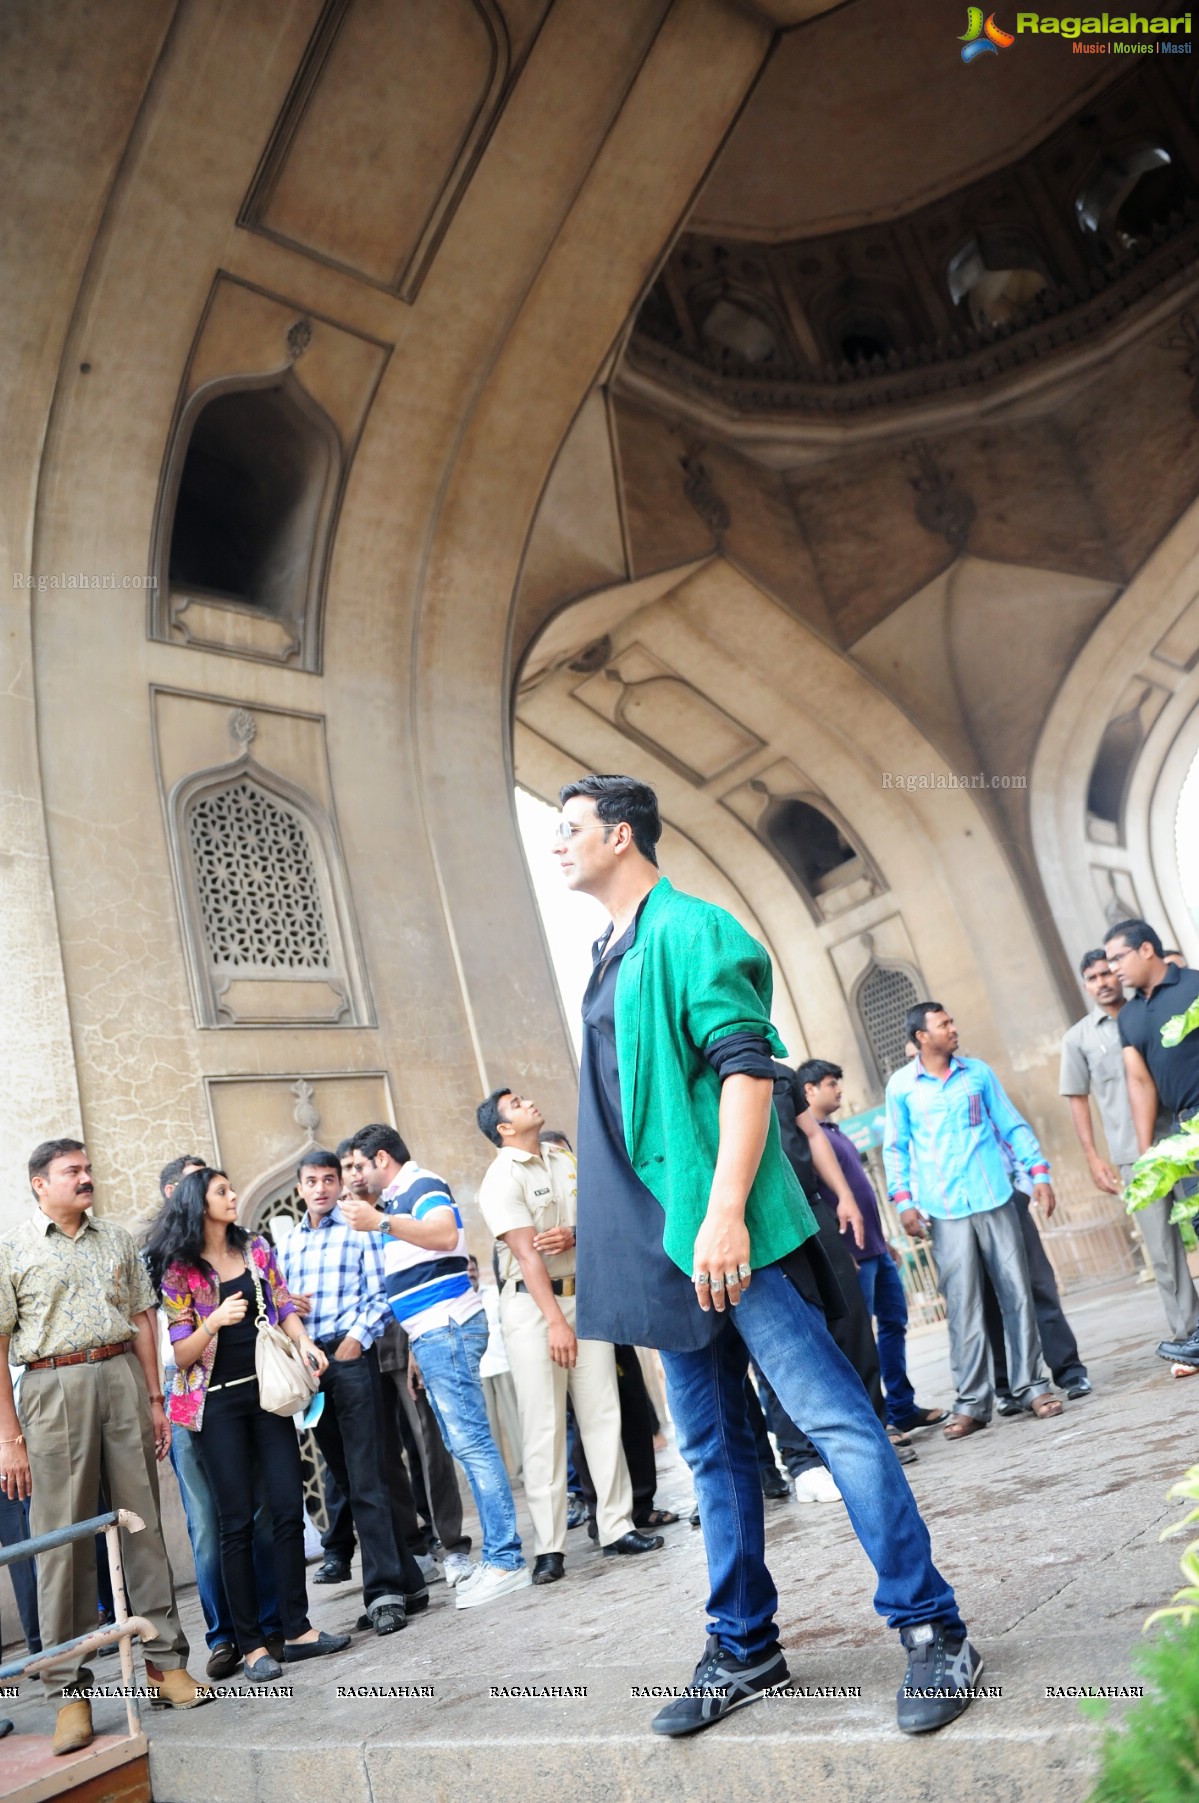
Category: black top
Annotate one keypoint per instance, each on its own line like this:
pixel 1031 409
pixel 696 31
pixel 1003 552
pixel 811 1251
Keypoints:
pixel 629 1290
pixel 1174 1069
pixel 789 1100
pixel 235 1343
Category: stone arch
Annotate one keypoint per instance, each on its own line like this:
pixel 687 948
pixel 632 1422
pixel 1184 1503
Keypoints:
pixel 1125 715
pixel 242 537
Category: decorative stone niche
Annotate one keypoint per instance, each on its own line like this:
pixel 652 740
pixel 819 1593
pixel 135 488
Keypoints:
pixel 268 418
pixel 808 838
pixel 268 929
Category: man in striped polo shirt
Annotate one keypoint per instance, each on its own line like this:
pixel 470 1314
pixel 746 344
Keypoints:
pixel 430 1294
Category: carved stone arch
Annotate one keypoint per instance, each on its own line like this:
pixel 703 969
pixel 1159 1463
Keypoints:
pixel 268 929
pixel 880 999
pixel 835 871
pixel 243 534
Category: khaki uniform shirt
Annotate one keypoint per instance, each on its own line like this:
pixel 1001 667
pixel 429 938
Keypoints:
pixel 524 1190
pixel 59 1294
pixel 1093 1063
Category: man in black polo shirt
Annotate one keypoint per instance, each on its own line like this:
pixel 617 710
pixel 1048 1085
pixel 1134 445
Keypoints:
pixel 1161 1079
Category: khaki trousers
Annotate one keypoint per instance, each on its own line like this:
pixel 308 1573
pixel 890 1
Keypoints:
pixel 1168 1256
pixel 541 1391
pixel 81 1423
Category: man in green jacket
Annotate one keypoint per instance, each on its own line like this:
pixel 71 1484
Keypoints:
pixel 694 1236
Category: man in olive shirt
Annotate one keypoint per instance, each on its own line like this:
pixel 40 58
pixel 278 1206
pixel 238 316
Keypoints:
pixel 527 1199
pixel 77 1310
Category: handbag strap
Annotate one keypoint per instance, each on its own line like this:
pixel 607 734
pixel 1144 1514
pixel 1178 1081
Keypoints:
pixel 262 1319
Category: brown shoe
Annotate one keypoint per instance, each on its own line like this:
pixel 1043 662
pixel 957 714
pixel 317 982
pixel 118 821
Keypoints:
pixel 175 1689
pixel 223 1661
pixel 959 1426
pixel 73 1729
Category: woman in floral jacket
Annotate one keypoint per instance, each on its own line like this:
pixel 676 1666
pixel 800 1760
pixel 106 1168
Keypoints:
pixel 216 1283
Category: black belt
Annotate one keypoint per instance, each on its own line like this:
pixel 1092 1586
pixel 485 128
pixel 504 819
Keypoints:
pixel 561 1286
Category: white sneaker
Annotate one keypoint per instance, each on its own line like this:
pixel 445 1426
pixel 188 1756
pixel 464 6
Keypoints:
pixel 429 1568
pixel 458 1568
pixel 816 1486
pixel 489 1582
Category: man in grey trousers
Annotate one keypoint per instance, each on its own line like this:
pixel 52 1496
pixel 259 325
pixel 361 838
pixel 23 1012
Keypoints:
pixel 1093 1064
pixel 948 1120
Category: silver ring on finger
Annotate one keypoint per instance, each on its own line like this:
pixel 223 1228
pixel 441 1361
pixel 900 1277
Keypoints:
pixel 743 1271
pixel 718 1283
pixel 702 1279
pixel 732 1281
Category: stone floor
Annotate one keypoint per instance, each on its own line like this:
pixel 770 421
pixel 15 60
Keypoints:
pixel 1048 1529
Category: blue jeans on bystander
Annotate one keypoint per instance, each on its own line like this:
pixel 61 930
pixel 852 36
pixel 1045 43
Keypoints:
pixel 823 1394
pixel 449 1359
pixel 882 1292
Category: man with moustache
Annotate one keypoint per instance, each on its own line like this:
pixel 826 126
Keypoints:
pixel 78 1311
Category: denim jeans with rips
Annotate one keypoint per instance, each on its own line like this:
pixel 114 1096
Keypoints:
pixel 449 1359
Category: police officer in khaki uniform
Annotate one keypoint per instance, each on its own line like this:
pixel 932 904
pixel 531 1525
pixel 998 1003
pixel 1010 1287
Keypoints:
pixel 527 1199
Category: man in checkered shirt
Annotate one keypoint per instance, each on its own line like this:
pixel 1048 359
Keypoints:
pixel 336 1279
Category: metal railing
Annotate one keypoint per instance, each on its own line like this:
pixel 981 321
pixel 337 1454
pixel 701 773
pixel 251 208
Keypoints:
pixel 121 1630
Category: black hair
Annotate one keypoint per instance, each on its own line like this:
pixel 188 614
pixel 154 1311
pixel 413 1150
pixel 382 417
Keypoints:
pixel 815 1070
pixel 345 1147
pixel 171 1173
pixel 916 1020
pixel 1172 951
pixel 487 1114
pixel 1097 956
pixel 177 1231
pixel 1135 934
pixel 621 798
pixel 43 1156
pixel 321 1160
pixel 380 1138
pixel 554 1136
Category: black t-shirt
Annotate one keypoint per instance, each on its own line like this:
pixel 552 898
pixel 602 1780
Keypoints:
pixel 789 1100
pixel 1174 1069
pixel 235 1343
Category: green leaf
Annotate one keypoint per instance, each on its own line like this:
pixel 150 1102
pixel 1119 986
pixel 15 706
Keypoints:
pixel 1176 1029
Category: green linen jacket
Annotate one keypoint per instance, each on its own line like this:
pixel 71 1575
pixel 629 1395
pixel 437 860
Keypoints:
pixel 692 976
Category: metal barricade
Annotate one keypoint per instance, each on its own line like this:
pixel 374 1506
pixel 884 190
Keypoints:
pixel 122 1629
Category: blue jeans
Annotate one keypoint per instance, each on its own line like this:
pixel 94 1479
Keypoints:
pixel 823 1394
pixel 204 1532
pixel 882 1292
pixel 14 1527
pixel 449 1359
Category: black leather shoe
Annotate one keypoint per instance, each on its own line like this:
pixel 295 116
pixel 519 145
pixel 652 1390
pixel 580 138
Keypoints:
pixel 415 1602
pixel 1007 1405
pixel 314 1649
pixel 549 1567
pixel 1181 1352
pixel 223 1661
pixel 1077 1388
pixel 388 1618
pixel 331 1571
pixel 6 1727
pixel 774 1484
pixel 634 1542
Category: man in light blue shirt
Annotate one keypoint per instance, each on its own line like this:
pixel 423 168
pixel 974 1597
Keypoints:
pixel 948 1120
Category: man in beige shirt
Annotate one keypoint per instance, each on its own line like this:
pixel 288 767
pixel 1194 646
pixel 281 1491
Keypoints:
pixel 78 1311
pixel 527 1199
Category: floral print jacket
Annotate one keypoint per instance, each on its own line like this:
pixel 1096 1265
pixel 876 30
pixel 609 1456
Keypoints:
pixel 188 1296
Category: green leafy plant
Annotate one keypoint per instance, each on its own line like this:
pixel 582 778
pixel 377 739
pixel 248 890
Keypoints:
pixel 1156 1171
pixel 1154 1757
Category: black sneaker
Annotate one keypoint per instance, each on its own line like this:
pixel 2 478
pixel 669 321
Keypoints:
pixel 721 1684
pixel 1181 1352
pixel 942 1670
pixel 774 1484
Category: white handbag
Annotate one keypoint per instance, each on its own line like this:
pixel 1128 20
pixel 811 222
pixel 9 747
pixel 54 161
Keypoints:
pixel 286 1381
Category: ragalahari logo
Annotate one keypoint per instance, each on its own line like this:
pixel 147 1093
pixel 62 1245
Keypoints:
pixel 983 38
